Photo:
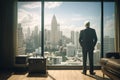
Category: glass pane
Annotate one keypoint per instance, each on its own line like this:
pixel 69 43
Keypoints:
pixel 109 27
pixel 63 23
pixel 29 28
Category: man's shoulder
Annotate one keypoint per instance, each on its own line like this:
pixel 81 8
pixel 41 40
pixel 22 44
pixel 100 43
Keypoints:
pixel 81 30
pixel 92 29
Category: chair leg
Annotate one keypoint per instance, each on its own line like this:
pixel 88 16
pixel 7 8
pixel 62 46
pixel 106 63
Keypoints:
pixel 103 75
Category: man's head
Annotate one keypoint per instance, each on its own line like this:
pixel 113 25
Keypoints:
pixel 87 24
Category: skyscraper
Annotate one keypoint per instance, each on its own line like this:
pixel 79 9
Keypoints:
pixel 47 39
pixel 28 33
pixel 73 37
pixel 70 50
pixel 36 37
pixel 20 40
pixel 77 40
pixel 108 44
pixel 55 32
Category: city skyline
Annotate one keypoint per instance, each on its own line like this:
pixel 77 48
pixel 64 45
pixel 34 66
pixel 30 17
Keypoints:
pixel 70 16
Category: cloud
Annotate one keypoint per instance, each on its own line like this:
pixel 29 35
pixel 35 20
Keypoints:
pixel 21 15
pixel 51 5
pixel 109 27
pixel 66 29
pixel 28 19
pixel 32 5
pixel 79 17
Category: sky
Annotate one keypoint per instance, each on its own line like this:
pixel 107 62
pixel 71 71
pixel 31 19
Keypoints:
pixel 70 16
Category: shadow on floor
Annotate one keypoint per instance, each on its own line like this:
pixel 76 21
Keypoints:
pixel 40 75
pixel 37 74
pixel 4 75
pixel 51 77
pixel 98 77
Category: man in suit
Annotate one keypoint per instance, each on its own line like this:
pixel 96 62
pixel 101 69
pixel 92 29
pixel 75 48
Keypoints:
pixel 87 40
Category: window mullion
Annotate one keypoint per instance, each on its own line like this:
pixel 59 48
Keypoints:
pixel 42 29
pixel 102 29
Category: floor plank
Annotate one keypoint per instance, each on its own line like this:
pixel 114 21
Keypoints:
pixel 60 75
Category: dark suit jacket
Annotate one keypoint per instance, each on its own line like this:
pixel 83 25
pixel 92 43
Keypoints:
pixel 88 39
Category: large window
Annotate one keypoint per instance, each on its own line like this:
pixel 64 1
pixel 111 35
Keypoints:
pixel 63 22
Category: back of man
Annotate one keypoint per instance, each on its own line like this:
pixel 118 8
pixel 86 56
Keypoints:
pixel 89 39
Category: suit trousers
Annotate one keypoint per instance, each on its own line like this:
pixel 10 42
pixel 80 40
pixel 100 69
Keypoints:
pixel 90 56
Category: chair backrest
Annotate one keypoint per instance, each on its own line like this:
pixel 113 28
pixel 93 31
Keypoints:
pixel 115 55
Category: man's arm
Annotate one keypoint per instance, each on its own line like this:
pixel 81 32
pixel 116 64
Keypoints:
pixel 81 38
pixel 95 38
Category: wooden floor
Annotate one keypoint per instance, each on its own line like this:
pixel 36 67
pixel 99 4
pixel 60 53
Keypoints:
pixel 59 75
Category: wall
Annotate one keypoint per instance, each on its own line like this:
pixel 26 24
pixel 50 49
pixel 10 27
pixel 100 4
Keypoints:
pixel 7 32
pixel 117 8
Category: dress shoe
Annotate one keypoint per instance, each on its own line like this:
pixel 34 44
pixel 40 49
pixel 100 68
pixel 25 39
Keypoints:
pixel 92 73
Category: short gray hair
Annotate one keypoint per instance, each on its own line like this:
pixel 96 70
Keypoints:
pixel 87 23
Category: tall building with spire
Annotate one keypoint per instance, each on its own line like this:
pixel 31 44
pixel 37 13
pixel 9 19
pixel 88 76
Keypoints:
pixel 20 40
pixel 55 32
